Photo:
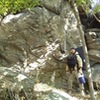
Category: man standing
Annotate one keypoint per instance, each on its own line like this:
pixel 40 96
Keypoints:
pixel 74 68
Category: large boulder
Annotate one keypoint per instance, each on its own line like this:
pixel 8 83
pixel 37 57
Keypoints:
pixel 28 41
pixel 22 35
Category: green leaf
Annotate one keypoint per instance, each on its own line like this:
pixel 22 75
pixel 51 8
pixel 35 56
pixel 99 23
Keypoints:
pixel 14 6
pixel 97 9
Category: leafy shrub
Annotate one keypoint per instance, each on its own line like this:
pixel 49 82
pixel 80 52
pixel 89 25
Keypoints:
pixel 15 6
pixel 86 5
pixel 96 8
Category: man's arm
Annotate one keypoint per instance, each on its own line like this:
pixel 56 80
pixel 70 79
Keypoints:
pixel 80 63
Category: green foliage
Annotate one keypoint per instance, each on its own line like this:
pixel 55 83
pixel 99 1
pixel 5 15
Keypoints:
pixel 81 2
pixel 85 5
pixel 15 6
pixel 96 9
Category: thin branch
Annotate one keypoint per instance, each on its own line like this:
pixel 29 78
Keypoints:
pixel 96 17
pixel 92 13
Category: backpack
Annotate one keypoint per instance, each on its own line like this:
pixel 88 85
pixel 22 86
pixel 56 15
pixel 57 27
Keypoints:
pixel 72 62
pixel 81 53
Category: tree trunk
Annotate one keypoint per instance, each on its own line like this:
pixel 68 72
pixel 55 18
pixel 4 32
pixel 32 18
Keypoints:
pixel 88 69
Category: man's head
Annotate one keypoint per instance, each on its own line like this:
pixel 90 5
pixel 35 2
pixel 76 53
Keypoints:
pixel 72 50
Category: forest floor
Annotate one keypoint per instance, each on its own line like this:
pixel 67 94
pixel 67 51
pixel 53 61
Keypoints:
pixel 87 96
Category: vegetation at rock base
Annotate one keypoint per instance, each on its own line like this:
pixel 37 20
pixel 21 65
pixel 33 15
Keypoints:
pixel 15 6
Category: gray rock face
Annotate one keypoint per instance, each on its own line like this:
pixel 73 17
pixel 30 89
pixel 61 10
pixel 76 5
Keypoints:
pixel 96 76
pixel 93 44
pixel 29 39
pixel 27 43
pixel 23 33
